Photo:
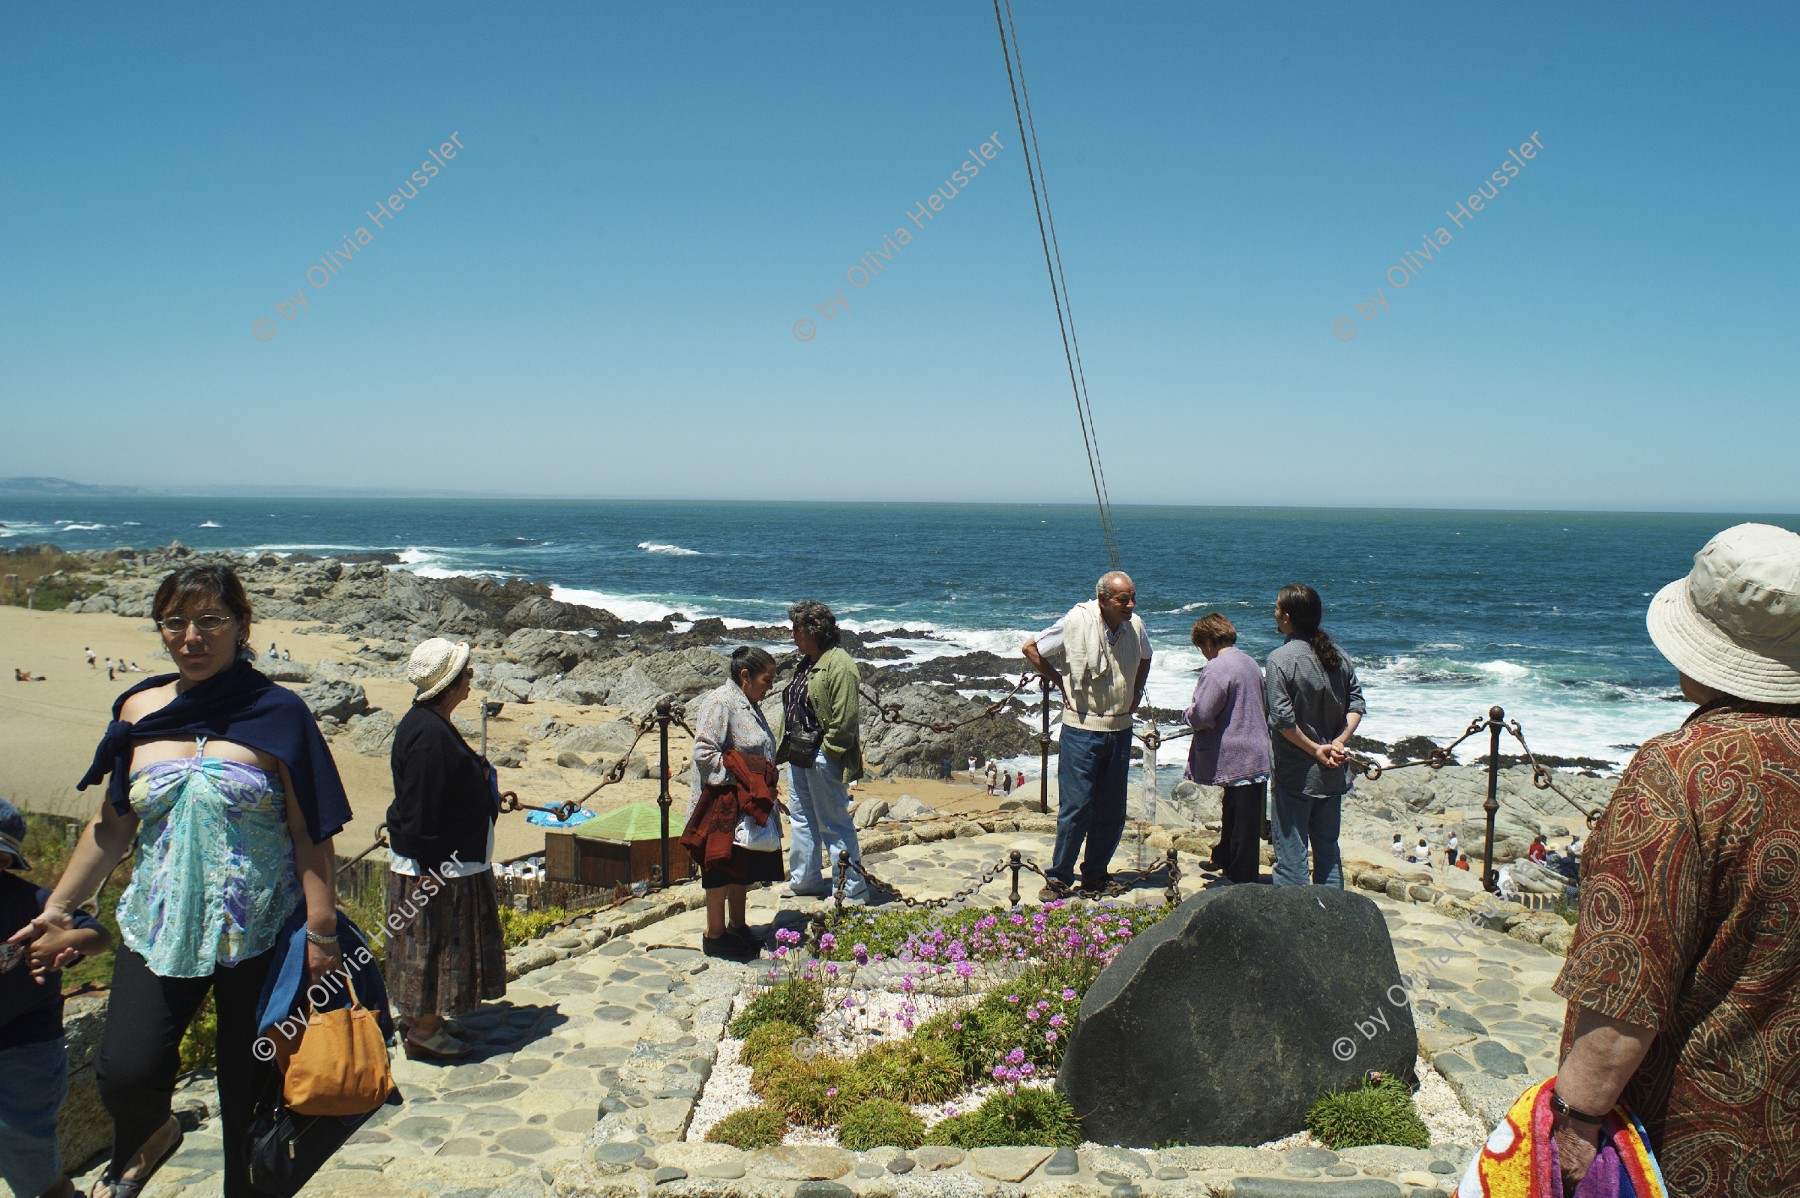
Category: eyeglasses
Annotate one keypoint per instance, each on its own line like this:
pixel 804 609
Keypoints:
pixel 178 625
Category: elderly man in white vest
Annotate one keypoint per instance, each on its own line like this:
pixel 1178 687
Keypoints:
pixel 1104 653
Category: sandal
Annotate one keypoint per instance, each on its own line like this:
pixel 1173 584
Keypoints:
pixel 439 1046
pixel 119 1187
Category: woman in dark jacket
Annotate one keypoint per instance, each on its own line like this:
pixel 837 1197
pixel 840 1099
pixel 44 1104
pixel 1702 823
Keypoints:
pixel 445 955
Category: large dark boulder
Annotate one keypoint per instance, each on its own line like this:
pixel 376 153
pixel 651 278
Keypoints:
pixel 1242 1007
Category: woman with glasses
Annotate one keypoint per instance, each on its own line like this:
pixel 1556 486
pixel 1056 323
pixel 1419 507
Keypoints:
pixel 446 955
pixel 221 781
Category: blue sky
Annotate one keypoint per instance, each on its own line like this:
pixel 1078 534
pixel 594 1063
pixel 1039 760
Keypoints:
pixel 598 295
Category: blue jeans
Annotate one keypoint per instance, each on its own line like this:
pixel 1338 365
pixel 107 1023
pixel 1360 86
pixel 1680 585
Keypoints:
pixel 1300 820
pixel 1090 784
pixel 37 1077
pixel 821 819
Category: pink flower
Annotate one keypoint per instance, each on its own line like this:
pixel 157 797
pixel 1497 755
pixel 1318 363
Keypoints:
pixel 1050 1037
pixel 827 942
pixel 956 1027
pixel 861 953
pixel 1031 1013
pixel 1068 994
pixel 1057 1020
pixel 1016 1056
pixel 1012 998
pixel 1028 1069
pixel 999 1072
pixel 831 1092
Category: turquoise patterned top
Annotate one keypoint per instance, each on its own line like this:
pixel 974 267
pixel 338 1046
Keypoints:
pixel 215 877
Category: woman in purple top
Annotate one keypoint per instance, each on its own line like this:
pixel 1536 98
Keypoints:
pixel 1231 743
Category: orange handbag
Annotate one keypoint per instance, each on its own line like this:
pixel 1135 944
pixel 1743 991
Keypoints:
pixel 340 1067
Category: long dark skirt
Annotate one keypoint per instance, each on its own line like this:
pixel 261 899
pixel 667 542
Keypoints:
pixel 448 956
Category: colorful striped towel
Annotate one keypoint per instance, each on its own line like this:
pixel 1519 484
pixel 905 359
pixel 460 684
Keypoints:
pixel 1519 1159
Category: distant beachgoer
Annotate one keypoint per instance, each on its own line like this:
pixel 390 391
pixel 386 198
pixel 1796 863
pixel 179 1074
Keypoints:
pixel 1006 783
pixel 225 785
pixel 1422 854
pixel 947 770
pixel 992 777
pixel 109 670
pixel 731 731
pixel 1683 979
pixel 1315 702
pixel 34 1057
pixel 1537 851
pixel 91 656
pixel 273 656
pixel 972 765
pixel 286 656
pixel 1399 845
pixel 1452 849
pixel 820 706
pixel 1106 652
pixel 450 956
pixel 1021 781
pixel 1230 747
pixel 1575 847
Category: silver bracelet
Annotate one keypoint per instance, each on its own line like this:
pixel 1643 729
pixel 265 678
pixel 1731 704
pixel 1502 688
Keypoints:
pixel 324 941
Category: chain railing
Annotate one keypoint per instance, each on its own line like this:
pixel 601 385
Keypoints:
pixel 1169 875
pixel 667 712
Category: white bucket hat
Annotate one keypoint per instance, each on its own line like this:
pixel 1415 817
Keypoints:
pixel 1734 622
pixel 434 665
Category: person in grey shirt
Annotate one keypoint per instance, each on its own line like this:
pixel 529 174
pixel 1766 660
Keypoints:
pixel 1314 703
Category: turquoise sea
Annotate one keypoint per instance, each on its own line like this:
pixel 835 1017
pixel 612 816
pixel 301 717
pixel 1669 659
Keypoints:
pixel 1444 612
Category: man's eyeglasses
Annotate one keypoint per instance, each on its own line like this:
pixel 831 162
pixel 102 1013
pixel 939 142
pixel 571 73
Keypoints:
pixel 178 625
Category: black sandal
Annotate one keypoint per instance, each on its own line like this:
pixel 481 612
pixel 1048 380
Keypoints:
pixel 119 1187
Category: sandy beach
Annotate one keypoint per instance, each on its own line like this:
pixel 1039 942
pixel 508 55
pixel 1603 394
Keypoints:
pixel 53 726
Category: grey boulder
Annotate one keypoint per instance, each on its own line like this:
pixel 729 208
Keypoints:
pixel 1246 1004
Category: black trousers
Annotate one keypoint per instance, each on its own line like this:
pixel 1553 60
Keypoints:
pixel 1239 852
pixel 140 1053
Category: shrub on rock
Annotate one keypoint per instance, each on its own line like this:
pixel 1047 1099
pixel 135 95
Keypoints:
pixel 798 1001
pixel 1379 1114
pixel 878 1123
pixel 815 1093
pixel 773 1038
pixel 1027 1118
pixel 752 1127
pixel 910 1071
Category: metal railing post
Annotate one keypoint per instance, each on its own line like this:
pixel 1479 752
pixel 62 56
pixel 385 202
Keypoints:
pixel 1044 752
pixel 1490 879
pixel 662 774
pixel 1014 863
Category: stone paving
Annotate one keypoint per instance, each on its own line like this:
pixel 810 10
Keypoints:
pixel 589 1069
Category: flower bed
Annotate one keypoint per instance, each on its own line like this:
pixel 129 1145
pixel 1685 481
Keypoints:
pixel 914 1026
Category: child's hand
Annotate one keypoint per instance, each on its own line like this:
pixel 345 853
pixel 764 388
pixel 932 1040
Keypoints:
pixel 52 951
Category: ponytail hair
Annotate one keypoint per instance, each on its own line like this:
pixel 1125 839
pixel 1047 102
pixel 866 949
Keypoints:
pixel 1300 603
pixel 748 659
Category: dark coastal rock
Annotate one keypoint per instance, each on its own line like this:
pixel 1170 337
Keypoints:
pixel 372 735
pixel 334 700
pixel 606 739
pixel 1241 1002
pixel 908 750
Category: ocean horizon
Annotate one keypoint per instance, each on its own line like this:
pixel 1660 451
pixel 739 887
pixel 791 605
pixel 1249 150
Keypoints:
pixel 1445 612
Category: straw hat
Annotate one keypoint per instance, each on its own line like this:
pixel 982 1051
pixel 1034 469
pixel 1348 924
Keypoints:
pixel 1734 622
pixel 434 665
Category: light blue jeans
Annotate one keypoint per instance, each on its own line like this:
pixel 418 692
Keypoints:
pixel 821 810
pixel 37 1077
pixel 1300 820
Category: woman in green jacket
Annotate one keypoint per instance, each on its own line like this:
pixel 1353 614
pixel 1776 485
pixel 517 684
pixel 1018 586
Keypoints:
pixel 824 755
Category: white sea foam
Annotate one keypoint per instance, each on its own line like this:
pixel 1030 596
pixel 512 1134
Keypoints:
pixel 208 524
pixel 71 526
pixel 671 550
pixel 1504 669
pixel 637 607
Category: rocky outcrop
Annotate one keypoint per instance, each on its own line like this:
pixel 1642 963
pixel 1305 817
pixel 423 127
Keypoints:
pixel 335 700
pixel 1187 1002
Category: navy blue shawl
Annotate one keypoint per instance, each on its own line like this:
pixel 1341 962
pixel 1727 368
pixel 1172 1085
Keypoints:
pixel 243 706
